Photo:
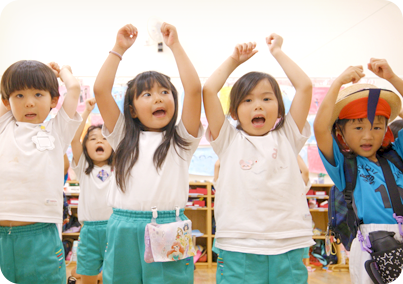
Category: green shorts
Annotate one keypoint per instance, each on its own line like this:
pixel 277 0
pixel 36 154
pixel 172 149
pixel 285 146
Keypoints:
pixel 32 254
pixel 91 247
pixel 124 257
pixel 237 267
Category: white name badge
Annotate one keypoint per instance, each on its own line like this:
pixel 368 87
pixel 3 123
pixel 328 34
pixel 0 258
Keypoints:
pixel 44 141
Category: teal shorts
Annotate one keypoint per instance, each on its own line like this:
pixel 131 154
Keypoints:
pixel 91 247
pixel 237 267
pixel 306 253
pixel 124 257
pixel 32 254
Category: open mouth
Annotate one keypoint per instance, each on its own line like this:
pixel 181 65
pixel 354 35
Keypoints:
pixel 30 115
pixel 159 113
pixel 258 121
pixel 366 147
pixel 100 150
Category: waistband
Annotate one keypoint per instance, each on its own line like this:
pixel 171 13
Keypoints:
pixel 28 229
pixel 95 223
pixel 147 215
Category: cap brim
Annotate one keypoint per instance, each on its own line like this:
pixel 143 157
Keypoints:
pixel 358 91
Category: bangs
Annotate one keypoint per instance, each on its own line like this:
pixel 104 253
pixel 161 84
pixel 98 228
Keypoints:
pixel 29 74
pixel 146 80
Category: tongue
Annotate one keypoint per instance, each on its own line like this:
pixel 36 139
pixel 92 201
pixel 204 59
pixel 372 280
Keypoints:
pixel 159 113
pixel 258 121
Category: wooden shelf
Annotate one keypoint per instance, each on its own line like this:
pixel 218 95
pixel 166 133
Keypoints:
pixel 318 210
pixel 193 208
pixel 320 218
pixel 202 220
pixel 70 234
pixel 318 196
pixel 321 237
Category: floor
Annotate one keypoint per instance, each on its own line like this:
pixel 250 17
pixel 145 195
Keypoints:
pixel 207 276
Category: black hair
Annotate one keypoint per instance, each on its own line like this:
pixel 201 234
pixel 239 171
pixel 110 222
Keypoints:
pixel 90 167
pixel 395 126
pixel 244 85
pixel 127 152
pixel 28 74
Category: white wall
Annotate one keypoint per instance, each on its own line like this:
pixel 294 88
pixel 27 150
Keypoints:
pixel 322 36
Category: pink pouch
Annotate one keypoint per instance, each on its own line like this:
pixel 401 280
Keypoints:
pixel 168 242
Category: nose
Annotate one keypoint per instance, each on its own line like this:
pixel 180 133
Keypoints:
pixel 258 105
pixel 29 102
pixel 368 134
pixel 157 98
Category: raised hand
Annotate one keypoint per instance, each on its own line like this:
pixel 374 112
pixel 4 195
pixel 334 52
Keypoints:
pixel 243 52
pixel 125 38
pixel 90 104
pixel 169 34
pixel 352 74
pixel 381 68
pixel 274 42
pixel 55 68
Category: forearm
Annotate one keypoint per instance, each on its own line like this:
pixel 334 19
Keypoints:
pixel 80 129
pixel 397 83
pixel 106 76
pixel 295 74
pixel 217 80
pixel 323 121
pixel 187 72
pixel 73 92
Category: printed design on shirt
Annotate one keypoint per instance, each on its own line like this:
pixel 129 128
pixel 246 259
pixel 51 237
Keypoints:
pixel 103 175
pixel 367 173
pixel 246 165
pixel 274 155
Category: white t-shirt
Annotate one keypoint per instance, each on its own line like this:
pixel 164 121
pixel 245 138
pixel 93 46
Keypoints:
pixel 260 204
pixel 31 184
pixel 92 204
pixel 166 188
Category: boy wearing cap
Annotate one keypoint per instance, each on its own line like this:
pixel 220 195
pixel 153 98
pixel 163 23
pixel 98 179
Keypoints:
pixel 353 123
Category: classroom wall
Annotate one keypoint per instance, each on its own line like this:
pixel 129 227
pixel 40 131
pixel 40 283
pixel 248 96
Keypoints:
pixel 322 36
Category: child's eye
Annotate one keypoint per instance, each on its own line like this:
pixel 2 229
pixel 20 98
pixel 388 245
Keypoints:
pixel 19 96
pixel 38 95
pixel 165 92
pixel 266 99
pixel 358 128
pixel 147 95
pixel 248 100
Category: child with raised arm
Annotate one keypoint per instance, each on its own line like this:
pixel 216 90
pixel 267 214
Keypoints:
pixel 31 165
pixel 352 123
pixel 92 163
pixel 263 222
pixel 153 154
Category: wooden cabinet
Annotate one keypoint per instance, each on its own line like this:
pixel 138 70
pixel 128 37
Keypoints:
pixel 321 220
pixel 202 220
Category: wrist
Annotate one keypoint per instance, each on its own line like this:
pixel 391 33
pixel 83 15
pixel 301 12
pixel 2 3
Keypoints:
pixel 119 49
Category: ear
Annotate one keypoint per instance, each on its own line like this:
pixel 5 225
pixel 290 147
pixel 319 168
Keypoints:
pixel 54 101
pixel 132 112
pixel 6 103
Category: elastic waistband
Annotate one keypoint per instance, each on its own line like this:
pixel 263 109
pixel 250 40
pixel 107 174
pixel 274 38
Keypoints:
pixel 147 215
pixel 95 223
pixel 28 229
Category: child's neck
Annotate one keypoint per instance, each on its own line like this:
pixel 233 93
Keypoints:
pixel 100 163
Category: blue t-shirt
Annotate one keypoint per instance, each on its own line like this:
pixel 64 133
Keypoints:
pixel 370 194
